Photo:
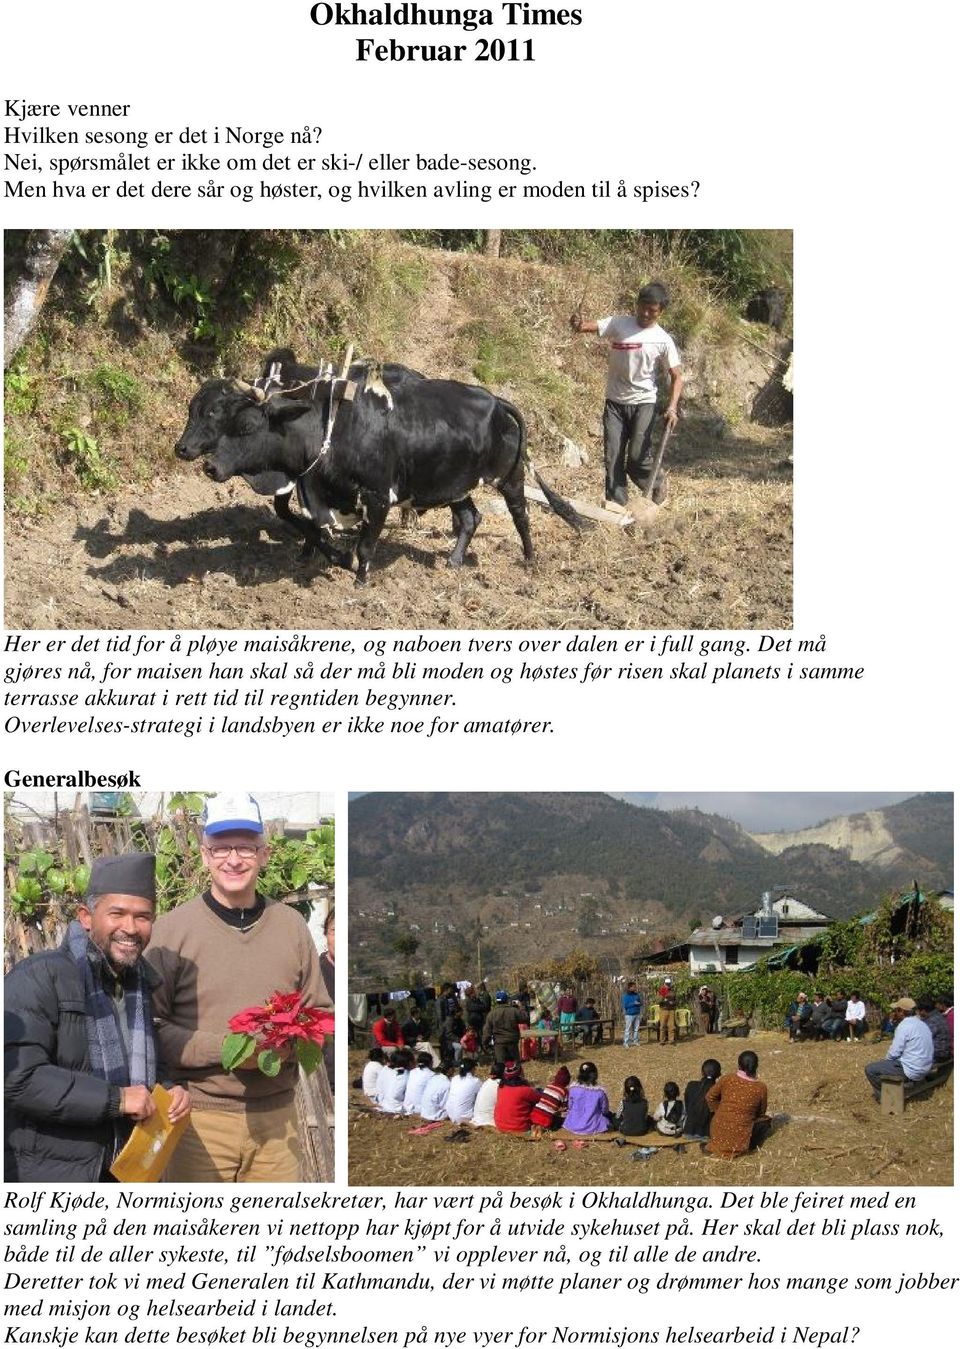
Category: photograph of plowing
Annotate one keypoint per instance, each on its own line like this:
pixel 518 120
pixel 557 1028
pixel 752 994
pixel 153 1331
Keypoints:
pixel 404 429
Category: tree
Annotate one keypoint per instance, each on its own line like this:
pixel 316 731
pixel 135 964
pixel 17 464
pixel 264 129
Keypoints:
pixel 42 252
pixel 407 946
pixel 491 243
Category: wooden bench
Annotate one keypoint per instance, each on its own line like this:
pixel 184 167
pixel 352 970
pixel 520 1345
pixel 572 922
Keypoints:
pixel 896 1091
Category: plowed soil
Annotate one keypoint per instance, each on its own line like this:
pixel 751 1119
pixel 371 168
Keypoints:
pixel 187 553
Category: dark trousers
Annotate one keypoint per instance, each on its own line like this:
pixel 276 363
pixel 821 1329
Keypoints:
pixel 627 444
pixel 881 1068
pixel 506 1051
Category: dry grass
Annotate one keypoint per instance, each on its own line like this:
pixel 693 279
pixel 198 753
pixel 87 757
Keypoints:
pixel 828 1131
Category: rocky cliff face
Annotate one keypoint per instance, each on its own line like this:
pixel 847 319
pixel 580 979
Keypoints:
pixel 863 838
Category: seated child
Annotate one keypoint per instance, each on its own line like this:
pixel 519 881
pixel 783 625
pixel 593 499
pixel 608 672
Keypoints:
pixel 669 1113
pixel 417 1080
pixel 546 1022
pixel 548 1112
pixel 464 1089
pixel 633 1118
pixel 433 1102
pixel 483 1106
pixel 371 1071
pixel 589 1109
pixel 392 1082
pixel 515 1101
pixel 470 1044
pixel 696 1110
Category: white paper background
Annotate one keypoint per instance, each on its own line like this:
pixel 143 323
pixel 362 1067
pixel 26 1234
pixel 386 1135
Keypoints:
pixel 826 118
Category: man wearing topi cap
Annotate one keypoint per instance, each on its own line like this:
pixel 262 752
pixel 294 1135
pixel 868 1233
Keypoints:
pixel 215 956
pixel 78 1029
pixel 910 1057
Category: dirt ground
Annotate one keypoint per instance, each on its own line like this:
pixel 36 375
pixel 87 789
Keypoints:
pixel 827 1129
pixel 188 553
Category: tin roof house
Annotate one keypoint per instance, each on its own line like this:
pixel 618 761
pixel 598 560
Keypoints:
pixel 740 943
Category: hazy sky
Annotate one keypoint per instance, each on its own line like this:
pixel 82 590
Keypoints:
pixel 764 812
pixel 769 811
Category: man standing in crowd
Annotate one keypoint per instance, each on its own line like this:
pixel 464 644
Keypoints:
pixel 910 1057
pixel 79 1044
pixel 668 1012
pixel 632 1003
pixel 503 1027
pixel 639 349
pixel 216 955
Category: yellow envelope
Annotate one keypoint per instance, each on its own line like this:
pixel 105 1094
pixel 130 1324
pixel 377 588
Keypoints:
pixel 149 1148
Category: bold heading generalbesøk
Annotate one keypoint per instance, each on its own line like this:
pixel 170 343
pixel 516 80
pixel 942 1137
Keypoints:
pixel 80 777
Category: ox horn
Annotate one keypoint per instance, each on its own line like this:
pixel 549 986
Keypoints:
pixel 250 390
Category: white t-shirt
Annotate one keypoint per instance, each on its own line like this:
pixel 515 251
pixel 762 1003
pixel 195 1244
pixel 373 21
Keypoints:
pixel 856 1011
pixel 483 1106
pixel 371 1072
pixel 391 1087
pixel 635 355
pixel 434 1099
pixel 463 1094
pixel 417 1079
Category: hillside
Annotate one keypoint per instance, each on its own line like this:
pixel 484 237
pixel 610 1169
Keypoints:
pixel 97 398
pixel 537 874
pixel 911 838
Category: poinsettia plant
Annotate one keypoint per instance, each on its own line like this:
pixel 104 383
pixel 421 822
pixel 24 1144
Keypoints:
pixel 272 1032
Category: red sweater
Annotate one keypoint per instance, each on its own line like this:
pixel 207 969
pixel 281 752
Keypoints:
pixel 511 1114
pixel 387 1033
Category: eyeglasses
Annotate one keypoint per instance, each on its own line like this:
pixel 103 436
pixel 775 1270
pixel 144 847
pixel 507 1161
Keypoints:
pixel 220 853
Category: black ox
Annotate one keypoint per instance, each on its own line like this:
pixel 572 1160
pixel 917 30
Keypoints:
pixel 210 419
pixel 396 439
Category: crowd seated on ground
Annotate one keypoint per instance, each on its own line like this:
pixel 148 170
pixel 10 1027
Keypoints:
pixel 725 1114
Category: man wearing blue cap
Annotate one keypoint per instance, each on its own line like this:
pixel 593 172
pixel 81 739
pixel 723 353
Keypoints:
pixel 215 956
pixel 80 1057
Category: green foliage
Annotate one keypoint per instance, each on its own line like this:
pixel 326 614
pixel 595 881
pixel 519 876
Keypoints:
pixel 236 1049
pixel 19 393
pixel 269 1062
pixel 44 878
pixel 742 262
pixel 296 863
pixel 119 394
pixel 15 461
pixel 183 288
pixel 180 871
pixel 875 958
pixel 97 251
pixel 189 803
pixel 86 459
pixel 309 1055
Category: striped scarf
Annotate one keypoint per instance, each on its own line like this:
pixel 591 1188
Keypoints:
pixel 108 1054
